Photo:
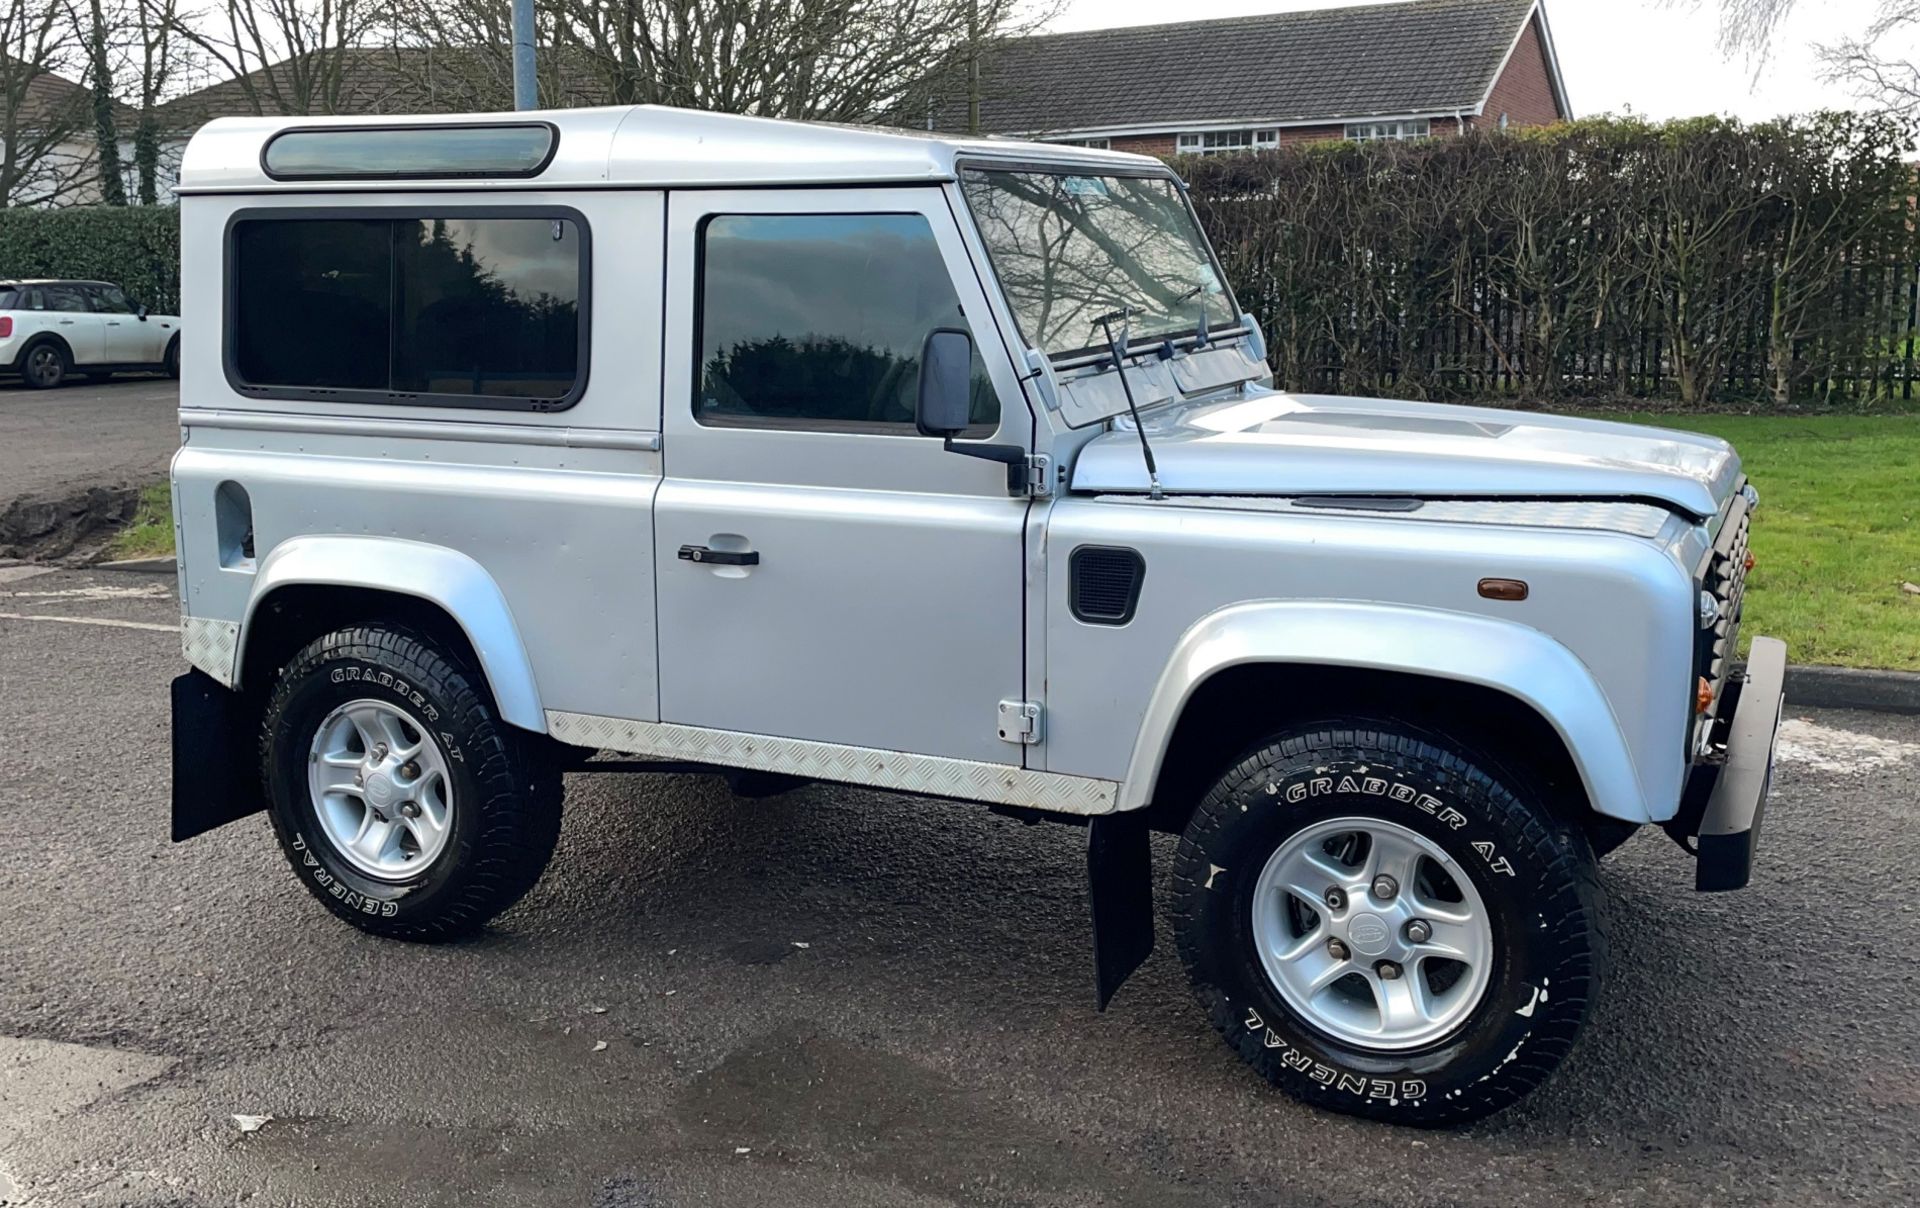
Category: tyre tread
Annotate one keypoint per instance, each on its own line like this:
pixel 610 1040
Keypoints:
pixel 1581 937
pixel 519 810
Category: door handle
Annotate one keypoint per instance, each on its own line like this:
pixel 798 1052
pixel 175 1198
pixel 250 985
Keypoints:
pixel 719 557
pixel 66 322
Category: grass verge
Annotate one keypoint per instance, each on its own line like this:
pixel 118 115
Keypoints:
pixel 150 533
pixel 1837 534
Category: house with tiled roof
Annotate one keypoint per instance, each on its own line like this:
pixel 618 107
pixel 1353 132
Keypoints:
pixel 46 121
pixel 1367 71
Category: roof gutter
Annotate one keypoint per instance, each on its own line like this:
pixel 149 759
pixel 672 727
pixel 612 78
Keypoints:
pixel 1244 123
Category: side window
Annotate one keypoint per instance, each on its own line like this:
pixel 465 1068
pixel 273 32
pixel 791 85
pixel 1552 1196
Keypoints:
pixel 815 321
pixel 109 300
pixel 450 308
pixel 63 297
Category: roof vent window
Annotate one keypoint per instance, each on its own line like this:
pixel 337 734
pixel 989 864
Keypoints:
pixel 519 149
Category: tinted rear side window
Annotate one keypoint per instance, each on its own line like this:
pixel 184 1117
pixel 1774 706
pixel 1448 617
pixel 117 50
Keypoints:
pixel 64 298
pixel 453 308
pixel 815 321
pixel 9 299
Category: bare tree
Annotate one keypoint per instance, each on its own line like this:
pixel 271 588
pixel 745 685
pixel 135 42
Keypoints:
pixel 1877 64
pixel 822 60
pixel 155 60
pixel 43 116
pixel 106 130
pixel 283 56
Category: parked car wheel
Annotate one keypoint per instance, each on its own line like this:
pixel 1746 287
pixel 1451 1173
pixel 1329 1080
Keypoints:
pixel 171 360
pixel 1381 927
pixel 45 365
pixel 401 799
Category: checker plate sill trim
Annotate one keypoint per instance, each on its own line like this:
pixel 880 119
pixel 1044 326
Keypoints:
pixel 931 775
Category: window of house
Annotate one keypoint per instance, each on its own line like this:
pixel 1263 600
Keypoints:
pixel 815 321
pixel 451 308
pixel 1228 142
pixel 1368 132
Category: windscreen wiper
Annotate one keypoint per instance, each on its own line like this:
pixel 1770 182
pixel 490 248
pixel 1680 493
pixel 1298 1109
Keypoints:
pixel 1117 345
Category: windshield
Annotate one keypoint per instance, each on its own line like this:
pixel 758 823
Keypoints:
pixel 1069 248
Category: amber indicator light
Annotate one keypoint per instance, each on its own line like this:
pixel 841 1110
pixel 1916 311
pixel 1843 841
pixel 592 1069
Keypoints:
pixel 1703 696
pixel 1503 589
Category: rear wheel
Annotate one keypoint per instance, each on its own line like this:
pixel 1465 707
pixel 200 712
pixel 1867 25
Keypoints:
pixel 170 361
pixel 45 365
pixel 401 799
pixel 1381 927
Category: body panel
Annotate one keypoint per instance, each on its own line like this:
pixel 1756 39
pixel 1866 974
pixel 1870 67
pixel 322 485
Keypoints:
pixel 1268 443
pixel 1522 662
pixel 886 609
pixel 447 577
pixel 1610 608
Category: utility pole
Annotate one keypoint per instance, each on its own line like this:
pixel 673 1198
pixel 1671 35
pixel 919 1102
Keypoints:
pixel 526 90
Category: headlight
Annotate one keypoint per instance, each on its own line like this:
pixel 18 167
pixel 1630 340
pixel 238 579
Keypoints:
pixel 1709 610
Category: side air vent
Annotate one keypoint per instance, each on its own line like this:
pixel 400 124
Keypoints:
pixel 1104 582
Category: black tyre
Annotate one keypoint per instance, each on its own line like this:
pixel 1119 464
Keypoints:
pixel 45 365
pixel 1437 997
pixel 170 361
pixel 401 799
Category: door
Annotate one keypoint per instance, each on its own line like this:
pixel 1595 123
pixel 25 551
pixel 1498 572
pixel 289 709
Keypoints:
pixel 124 338
pixel 71 317
pixel 880 600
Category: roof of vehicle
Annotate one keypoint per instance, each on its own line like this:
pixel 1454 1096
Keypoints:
pixel 649 146
pixel 22 282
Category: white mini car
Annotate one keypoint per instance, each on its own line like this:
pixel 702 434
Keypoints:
pixel 50 329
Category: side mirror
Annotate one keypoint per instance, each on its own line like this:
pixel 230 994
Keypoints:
pixel 945 403
pixel 140 312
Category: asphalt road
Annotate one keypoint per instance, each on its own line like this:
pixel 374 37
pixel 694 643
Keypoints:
pixel 119 431
pixel 840 997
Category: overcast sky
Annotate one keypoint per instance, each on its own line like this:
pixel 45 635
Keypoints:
pixel 1656 58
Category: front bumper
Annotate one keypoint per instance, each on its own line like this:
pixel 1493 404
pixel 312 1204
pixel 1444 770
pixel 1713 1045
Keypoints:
pixel 1735 799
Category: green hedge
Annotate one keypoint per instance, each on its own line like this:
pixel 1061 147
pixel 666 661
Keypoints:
pixel 1705 260
pixel 136 247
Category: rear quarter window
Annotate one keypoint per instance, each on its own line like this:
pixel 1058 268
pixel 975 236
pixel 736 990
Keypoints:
pixel 448 307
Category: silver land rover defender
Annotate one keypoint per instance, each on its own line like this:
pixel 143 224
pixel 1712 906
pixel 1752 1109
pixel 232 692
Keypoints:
pixel 950 467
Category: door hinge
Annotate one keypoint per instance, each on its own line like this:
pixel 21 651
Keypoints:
pixel 1019 721
pixel 1039 476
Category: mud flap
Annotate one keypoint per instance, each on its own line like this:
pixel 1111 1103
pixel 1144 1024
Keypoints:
pixel 1120 889
pixel 214 780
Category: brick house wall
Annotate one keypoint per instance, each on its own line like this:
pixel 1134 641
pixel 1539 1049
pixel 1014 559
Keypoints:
pixel 1161 145
pixel 1524 91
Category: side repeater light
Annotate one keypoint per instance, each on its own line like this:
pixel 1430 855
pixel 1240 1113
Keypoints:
pixel 1503 589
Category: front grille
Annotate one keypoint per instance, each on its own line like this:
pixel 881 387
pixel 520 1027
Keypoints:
pixel 1726 577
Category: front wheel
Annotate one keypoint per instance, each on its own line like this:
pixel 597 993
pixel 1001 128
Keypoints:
pixel 1382 927
pixel 45 365
pixel 402 800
